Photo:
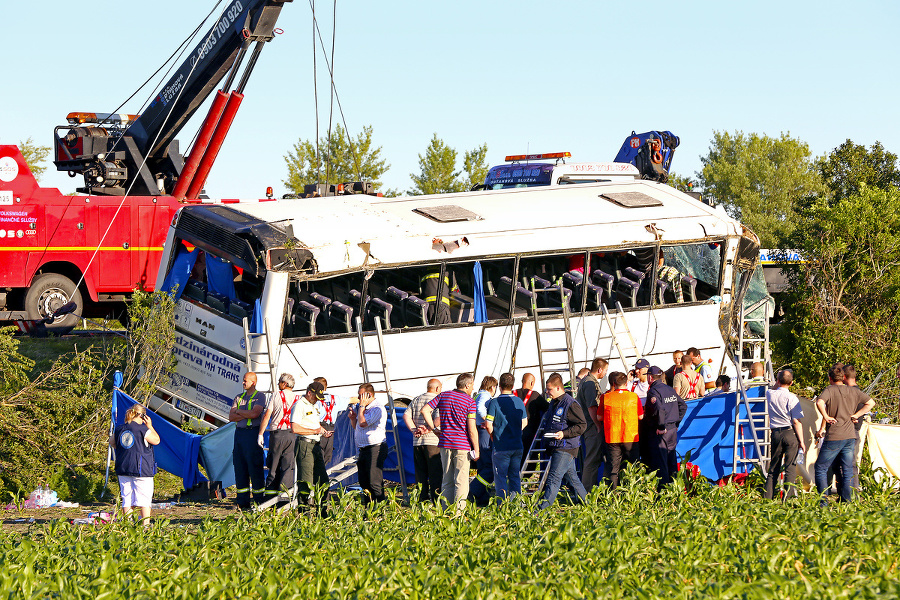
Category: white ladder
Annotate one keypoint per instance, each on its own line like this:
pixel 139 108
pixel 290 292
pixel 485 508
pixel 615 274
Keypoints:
pixel 535 463
pixel 380 370
pixel 629 352
pixel 549 358
pixel 252 363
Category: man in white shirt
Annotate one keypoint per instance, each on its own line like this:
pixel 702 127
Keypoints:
pixel 369 420
pixel 281 459
pixel 785 415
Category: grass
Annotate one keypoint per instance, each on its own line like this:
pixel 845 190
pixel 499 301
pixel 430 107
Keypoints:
pixel 719 543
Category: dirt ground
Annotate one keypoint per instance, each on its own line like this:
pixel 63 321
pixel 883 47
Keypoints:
pixel 185 514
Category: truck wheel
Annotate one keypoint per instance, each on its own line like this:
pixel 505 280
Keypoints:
pixel 47 293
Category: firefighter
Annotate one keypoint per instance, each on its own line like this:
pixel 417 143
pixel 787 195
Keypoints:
pixel 246 412
pixel 663 411
pixel 431 289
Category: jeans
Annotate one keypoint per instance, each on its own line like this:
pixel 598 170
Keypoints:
pixel 561 470
pixel 785 447
pixel 507 479
pixel 478 489
pixel 841 450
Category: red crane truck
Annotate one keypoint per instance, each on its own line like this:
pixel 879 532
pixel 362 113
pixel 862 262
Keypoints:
pixel 105 241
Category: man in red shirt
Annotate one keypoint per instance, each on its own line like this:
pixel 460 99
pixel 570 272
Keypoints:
pixel 536 406
pixel 618 416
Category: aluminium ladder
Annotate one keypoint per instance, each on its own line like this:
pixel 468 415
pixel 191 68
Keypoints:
pixel 752 434
pixel 628 354
pixel 754 346
pixel 380 371
pixel 535 463
pixel 550 344
pixel 250 356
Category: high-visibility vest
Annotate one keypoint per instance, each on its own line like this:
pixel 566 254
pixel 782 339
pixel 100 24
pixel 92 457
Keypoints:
pixel 432 281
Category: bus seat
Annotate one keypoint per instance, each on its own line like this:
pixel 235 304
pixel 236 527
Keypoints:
pixel 195 290
pixel 662 287
pixel 377 308
pixel 217 302
pixel 240 309
pixel 340 317
pixel 306 317
pixel 523 298
pixel 634 274
pixel 539 283
pixel 596 296
pixel 573 283
pixel 689 285
pixel 628 290
pixel 604 280
pixel 462 308
pixel 395 298
pixel 416 311
pixel 323 303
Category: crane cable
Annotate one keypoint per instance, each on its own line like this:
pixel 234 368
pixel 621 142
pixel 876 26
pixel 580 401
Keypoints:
pixel 143 162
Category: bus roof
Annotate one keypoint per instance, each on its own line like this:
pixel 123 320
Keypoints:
pixel 348 232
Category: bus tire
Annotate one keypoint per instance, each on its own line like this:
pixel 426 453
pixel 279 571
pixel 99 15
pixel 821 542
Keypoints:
pixel 48 292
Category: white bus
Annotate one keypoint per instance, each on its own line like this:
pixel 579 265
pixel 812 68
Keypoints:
pixel 306 268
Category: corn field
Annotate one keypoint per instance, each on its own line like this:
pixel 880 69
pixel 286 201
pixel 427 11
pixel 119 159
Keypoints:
pixel 714 542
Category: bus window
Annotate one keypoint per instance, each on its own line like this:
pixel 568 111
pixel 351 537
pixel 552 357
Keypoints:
pixel 497 292
pixel 218 285
pixel 546 272
pixel 623 276
pixel 689 273
pixel 324 306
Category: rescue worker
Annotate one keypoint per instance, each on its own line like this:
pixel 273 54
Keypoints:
pixel 663 412
pixel 276 420
pixel 246 412
pixel 592 388
pixel 328 410
pixel 564 425
pixel 432 287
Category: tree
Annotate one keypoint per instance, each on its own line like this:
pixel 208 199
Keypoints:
pixel 684 183
pixel 34 155
pixel 844 296
pixel 438 174
pixel 758 179
pixel 851 165
pixel 475 165
pixel 341 158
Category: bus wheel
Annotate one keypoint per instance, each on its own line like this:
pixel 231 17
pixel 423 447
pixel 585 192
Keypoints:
pixel 48 292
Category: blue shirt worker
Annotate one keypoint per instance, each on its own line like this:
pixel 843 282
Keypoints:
pixel 664 410
pixel 246 412
pixel 785 415
pixel 505 420
pixel 565 422
pixel 484 479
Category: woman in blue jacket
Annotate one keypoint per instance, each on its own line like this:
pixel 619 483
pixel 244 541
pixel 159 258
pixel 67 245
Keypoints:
pixel 135 464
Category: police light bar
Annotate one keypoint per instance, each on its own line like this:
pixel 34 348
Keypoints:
pixel 76 118
pixel 516 157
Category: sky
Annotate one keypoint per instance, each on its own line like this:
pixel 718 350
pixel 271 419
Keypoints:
pixel 521 77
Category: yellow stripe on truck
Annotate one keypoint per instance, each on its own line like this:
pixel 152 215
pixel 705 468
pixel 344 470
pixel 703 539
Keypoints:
pixel 79 248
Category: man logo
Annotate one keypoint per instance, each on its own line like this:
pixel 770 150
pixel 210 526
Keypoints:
pixel 126 440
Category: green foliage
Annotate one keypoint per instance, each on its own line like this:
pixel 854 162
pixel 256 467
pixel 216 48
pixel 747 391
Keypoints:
pixel 717 543
pixel 14 368
pixel 149 360
pixel 340 158
pixel 438 173
pixel 844 298
pixel 683 183
pixel 759 179
pixel 850 166
pixel 34 155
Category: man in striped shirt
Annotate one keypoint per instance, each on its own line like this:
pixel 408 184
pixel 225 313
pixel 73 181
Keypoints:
pixel 457 436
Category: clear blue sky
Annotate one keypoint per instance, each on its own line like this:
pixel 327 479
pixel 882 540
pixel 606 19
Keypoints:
pixel 524 76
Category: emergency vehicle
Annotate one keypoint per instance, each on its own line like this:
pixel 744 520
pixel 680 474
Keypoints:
pixel 106 240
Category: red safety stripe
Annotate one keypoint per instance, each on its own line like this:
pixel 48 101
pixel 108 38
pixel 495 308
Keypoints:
pixel 329 406
pixel 286 412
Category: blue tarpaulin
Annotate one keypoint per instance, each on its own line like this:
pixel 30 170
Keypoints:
pixel 345 447
pixel 177 451
pixel 217 453
pixel 707 432
pixel 181 271
pixel 219 276
pixel 480 304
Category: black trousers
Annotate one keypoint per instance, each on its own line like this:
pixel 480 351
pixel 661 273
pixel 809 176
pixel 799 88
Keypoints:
pixel 371 471
pixel 327 443
pixel 662 454
pixel 593 456
pixel 280 461
pixel 429 475
pixel 248 466
pixel 478 489
pixel 785 447
pixel 615 455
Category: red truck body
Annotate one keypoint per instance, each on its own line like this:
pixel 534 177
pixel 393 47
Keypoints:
pixel 47 239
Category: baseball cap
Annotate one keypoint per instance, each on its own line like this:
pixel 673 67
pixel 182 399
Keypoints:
pixel 317 389
pixel 655 371
pixel 642 363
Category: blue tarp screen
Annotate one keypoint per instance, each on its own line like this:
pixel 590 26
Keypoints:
pixel 217 453
pixel 177 451
pixel 181 271
pixel 219 276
